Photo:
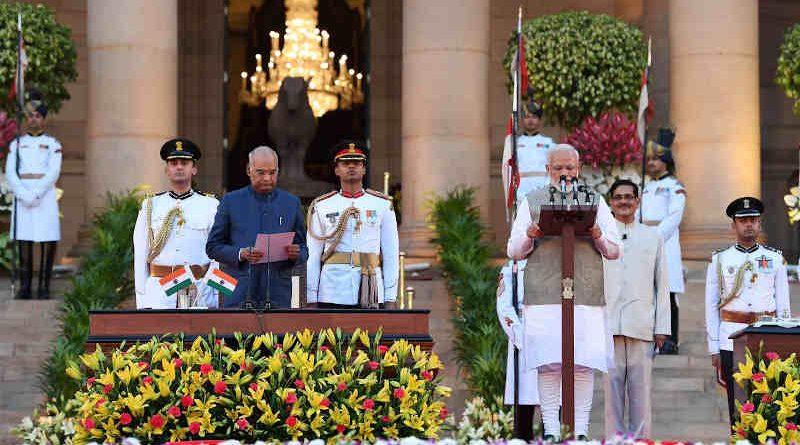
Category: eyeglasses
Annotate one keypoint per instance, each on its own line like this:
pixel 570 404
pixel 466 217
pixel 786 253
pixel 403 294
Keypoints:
pixel 627 197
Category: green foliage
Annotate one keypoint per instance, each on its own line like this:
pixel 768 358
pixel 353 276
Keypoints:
pixel 480 343
pixel 50 49
pixel 788 72
pixel 103 282
pixel 483 422
pixel 581 64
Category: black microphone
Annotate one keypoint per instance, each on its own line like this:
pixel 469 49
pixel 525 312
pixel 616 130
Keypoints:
pixel 575 190
pixel 248 299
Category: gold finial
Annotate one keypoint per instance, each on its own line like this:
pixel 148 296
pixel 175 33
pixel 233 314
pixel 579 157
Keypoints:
pixel 410 297
pixel 402 283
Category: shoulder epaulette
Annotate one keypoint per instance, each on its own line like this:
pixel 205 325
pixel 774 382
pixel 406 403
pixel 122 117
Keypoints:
pixel 720 250
pixel 207 194
pixel 158 194
pixel 378 194
pixel 324 197
pixel 778 251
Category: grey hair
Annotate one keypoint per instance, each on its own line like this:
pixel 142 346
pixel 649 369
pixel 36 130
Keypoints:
pixel 562 148
pixel 261 150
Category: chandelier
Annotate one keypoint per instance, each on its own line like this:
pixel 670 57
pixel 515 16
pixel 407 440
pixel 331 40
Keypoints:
pixel 305 54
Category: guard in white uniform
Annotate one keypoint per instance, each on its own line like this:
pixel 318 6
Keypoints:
pixel 663 202
pixel 532 148
pixel 171 231
pixel 32 171
pixel 743 282
pixel 353 246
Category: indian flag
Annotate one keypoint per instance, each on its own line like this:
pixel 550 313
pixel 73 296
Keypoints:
pixel 221 281
pixel 180 279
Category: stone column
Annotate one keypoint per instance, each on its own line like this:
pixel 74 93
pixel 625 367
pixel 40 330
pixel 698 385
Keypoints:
pixel 133 92
pixel 714 105
pixel 445 125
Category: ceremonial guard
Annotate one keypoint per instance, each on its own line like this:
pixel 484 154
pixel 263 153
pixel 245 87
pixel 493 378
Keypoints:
pixel 32 169
pixel 663 202
pixel 743 282
pixel 532 148
pixel 353 246
pixel 171 232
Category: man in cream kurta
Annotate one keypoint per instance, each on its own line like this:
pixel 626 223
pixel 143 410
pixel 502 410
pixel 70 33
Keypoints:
pixel 637 307
pixel 541 345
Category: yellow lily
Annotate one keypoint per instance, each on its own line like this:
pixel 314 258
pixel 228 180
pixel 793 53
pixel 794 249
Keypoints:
pixel 745 370
pixel 305 337
pixel 444 391
pixel 73 372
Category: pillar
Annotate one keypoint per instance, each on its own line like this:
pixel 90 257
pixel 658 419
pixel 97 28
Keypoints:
pixel 714 106
pixel 445 129
pixel 133 91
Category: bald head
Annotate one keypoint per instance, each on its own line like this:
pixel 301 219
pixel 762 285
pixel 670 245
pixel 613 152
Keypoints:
pixel 262 169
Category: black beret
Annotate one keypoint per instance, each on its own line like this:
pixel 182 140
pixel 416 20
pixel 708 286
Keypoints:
pixel 180 148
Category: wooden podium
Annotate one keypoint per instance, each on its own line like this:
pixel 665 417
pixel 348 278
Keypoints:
pixel 109 328
pixel 784 341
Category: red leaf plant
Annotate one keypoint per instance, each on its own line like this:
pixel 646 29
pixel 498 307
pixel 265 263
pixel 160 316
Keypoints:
pixel 606 142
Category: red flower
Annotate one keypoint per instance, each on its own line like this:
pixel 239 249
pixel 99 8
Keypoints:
pixel 107 389
pixel 383 349
pixel 323 348
pixel 218 342
pixel 290 398
pixel 90 382
pixel 340 428
pixel 205 368
pixel 147 380
pixel 772 355
pixel 177 362
pixel 341 386
pixel 790 426
pixel 99 402
pixel 187 401
pixel 278 346
pixel 242 424
pixel 443 413
pixel 748 407
pixel 144 365
pixel 220 387
pixel 88 423
pixel 766 398
pixel 741 433
pixel 174 411
pixel 325 402
pixel 399 393
pixel 385 419
pixel 373 365
pixel 194 427
pixel 125 419
pixel 757 377
pixel 254 386
pixel 291 421
pixel 299 384
pixel 427 375
pixel 369 404
pixel 156 421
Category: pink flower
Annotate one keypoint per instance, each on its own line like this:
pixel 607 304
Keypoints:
pixel 341 386
pixel 748 407
pixel 254 386
pixel 383 349
pixel 90 382
pixel 443 413
pixel 125 419
pixel 399 393
pixel 99 402
pixel 147 380
pixel 88 423
pixel 220 387
pixel 369 405
pixel 790 426
pixel 177 362
pixel 772 355
pixel 385 419
pixel 766 398
pixel 340 428
pixel 187 401
pixel 242 424
pixel 757 377
pixel 174 411
pixel 290 398
pixel 278 346
pixel 299 384
pixel 156 421
pixel 325 402
pixel 107 389
pixel 291 421
pixel 373 365
pixel 427 375
pixel 144 365
pixel 323 348
pixel 194 427
pixel 741 433
pixel 205 368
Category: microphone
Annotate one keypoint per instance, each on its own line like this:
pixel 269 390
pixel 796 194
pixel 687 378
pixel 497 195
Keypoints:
pixel 248 299
pixel 562 182
pixel 575 190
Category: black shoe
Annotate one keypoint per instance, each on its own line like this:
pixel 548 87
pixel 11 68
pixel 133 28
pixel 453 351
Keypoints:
pixel 669 348
pixel 549 438
pixel 23 294
pixel 582 438
pixel 25 251
pixel 46 269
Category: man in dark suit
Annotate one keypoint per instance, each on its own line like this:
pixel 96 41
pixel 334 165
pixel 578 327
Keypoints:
pixel 260 207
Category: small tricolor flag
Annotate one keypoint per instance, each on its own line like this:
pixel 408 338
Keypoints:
pixel 221 281
pixel 180 279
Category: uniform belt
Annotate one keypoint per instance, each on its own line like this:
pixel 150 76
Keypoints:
pixel 356 259
pixel 743 317
pixel 159 271
pixel 532 174
pixel 651 222
pixel 31 176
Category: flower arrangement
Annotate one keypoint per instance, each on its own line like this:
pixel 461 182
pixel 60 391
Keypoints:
pixel 771 409
pixel 54 426
pixel 300 387
pixel 792 201
pixel 480 422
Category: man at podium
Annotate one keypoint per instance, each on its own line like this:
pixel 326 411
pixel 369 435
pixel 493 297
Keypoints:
pixel 541 345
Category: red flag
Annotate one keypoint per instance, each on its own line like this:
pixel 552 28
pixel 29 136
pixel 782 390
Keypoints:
pixel 523 68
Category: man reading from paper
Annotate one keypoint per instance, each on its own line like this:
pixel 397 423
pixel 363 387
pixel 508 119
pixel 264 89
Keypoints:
pixel 257 209
pixel 541 345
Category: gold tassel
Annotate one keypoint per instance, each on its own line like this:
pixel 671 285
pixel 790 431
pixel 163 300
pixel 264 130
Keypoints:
pixel 368 291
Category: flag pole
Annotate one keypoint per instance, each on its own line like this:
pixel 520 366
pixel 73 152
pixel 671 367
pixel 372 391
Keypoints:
pixel 515 102
pixel 644 121
pixel 18 101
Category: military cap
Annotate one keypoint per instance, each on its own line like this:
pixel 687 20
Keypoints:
pixel 661 148
pixel 34 101
pixel 180 148
pixel 350 151
pixel 532 107
pixel 745 206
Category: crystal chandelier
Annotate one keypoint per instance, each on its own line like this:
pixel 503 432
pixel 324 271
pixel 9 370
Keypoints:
pixel 305 54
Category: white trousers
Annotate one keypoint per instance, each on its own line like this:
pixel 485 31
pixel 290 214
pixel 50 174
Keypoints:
pixel 550 397
pixel 632 376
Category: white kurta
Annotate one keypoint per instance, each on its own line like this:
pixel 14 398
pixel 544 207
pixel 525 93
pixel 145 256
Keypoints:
pixel 663 202
pixel 186 245
pixel 542 337
pixel 340 283
pixel 37 217
pixel 531 161
pixel 765 288
pixel 528 382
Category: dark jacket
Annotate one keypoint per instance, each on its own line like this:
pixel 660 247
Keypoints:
pixel 241 216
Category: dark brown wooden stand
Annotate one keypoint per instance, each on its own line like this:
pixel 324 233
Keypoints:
pixel 784 341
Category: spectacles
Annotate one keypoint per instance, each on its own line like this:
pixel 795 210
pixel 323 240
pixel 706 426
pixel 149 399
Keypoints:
pixel 628 197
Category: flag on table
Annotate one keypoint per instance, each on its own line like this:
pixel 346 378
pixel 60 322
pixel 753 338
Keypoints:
pixel 221 281
pixel 180 279
pixel 18 88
